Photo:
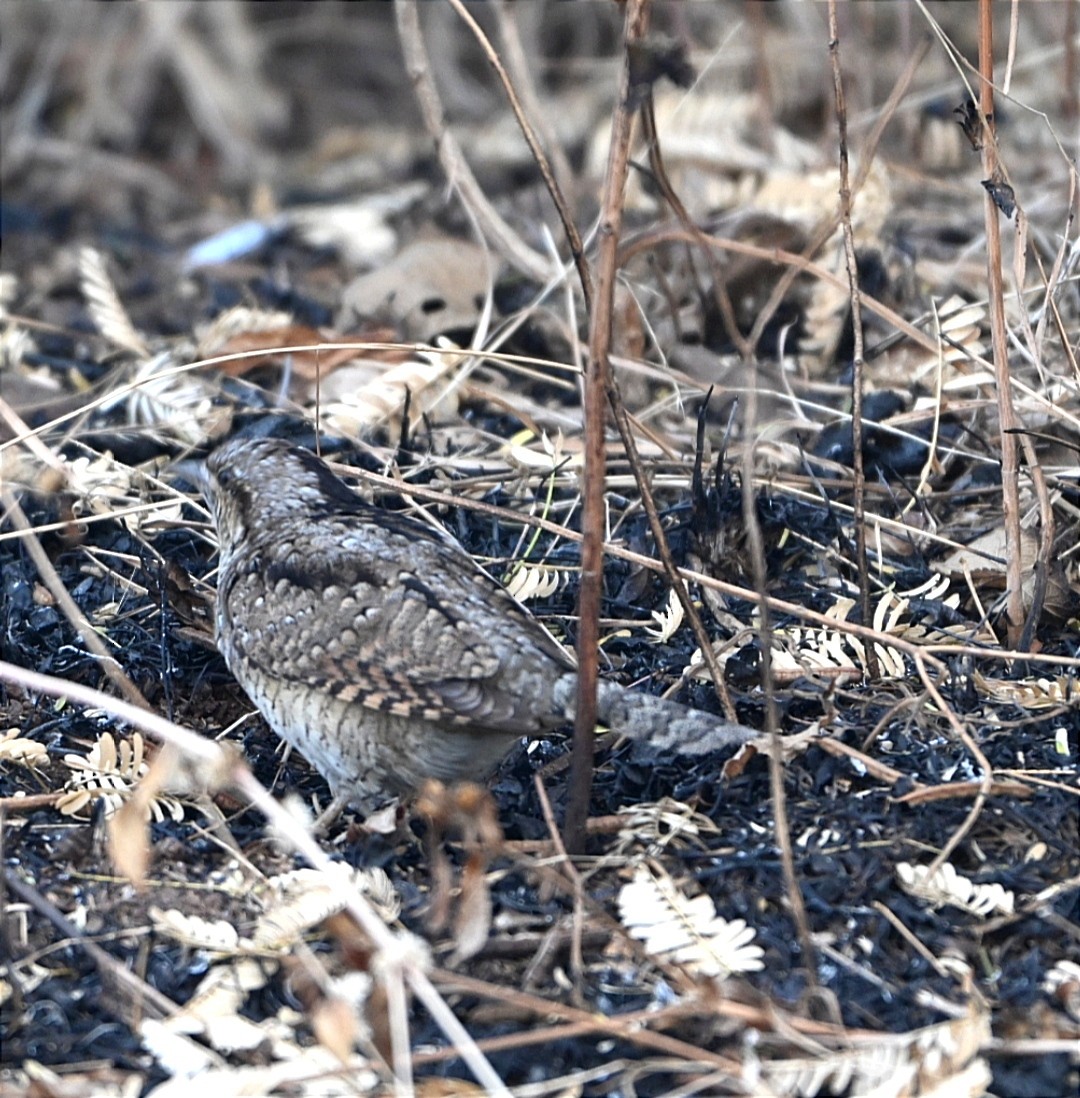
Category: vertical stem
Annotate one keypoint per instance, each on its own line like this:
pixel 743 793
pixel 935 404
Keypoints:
pixel 597 375
pixel 1010 468
pixel 859 501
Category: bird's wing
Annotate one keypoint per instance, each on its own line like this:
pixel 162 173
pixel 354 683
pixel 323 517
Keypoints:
pixel 454 648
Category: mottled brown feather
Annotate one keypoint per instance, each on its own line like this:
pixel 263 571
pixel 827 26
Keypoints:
pixel 375 644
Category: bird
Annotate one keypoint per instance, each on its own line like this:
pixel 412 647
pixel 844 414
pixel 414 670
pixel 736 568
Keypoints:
pixel 377 647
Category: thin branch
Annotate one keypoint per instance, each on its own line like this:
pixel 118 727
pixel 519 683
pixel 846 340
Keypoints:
pixel 986 780
pixel 781 826
pixel 453 162
pixel 732 590
pixel 1008 422
pixel 671 569
pixel 858 363
pixel 87 633
pixel 573 237
pixel 149 1001
pixel 827 226
pixel 518 66
pixel 597 381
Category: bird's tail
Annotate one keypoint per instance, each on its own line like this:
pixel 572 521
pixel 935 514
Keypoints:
pixel 661 723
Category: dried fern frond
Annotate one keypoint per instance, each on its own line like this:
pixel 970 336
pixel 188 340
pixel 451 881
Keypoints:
pixel 667 620
pixel 948 886
pixel 533 581
pixel 109 772
pixel 299 900
pixel 942 1059
pixel 103 303
pixel 239 320
pixel 428 381
pixel 1041 693
pixel 664 823
pixel 181 402
pixel 684 931
pixel 213 935
pixel 822 651
pixel 104 486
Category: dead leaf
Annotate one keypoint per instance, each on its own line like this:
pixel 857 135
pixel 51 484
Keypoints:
pixel 129 842
pixel 307 365
pixel 335 1026
pixel 434 286
pixel 472 913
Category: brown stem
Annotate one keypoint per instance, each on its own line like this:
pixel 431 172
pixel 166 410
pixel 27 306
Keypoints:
pixel 577 249
pixel 1008 423
pixel 453 162
pixel 781 825
pixel 858 364
pixel 598 372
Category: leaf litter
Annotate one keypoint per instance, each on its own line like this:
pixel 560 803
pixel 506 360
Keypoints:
pixel 128 342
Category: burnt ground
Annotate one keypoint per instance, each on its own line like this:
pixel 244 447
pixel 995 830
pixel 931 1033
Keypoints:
pixel 288 138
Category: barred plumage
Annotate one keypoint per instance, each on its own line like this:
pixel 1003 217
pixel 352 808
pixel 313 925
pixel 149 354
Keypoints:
pixel 378 648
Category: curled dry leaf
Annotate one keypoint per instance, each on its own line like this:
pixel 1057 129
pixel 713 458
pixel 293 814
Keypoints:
pixel 129 830
pixel 469 810
pixel 214 1010
pixel 129 842
pixel 175 1052
pixel 22 750
pixel 432 287
pixel 984 558
pixel 546 453
pixel 982 562
pixel 472 913
pixel 336 1026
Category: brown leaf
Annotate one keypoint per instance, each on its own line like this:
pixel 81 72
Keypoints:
pixel 335 1026
pixel 433 286
pixel 377 1015
pixel 307 365
pixel 472 915
pixel 129 826
pixel 354 943
pixel 129 841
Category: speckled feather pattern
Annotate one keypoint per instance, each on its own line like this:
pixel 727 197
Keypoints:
pixel 378 648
